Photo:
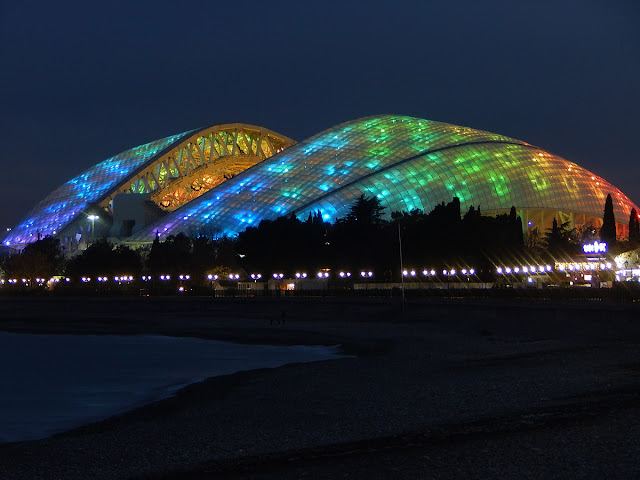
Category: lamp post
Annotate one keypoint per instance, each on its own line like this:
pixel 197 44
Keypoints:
pixel 93 219
pixel 401 266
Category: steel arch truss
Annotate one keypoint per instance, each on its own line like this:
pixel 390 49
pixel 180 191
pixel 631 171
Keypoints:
pixel 202 162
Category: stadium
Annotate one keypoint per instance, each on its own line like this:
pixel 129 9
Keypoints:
pixel 220 179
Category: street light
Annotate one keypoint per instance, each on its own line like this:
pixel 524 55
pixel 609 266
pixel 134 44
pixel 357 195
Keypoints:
pixel 93 219
pixel 212 278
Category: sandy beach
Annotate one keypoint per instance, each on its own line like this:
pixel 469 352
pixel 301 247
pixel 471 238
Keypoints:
pixel 449 389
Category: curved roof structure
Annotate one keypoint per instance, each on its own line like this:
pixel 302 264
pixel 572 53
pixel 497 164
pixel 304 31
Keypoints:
pixel 173 171
pixel 409 163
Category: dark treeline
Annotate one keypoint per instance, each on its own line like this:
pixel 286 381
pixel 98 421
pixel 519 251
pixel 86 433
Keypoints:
pixel 181 254
pixel 103 259
pixel 472 239
pixel 362 240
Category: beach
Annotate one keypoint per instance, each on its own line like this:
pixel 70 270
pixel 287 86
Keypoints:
pixel 449 388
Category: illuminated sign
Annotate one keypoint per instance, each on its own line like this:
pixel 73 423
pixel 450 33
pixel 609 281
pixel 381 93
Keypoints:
pixel 595 247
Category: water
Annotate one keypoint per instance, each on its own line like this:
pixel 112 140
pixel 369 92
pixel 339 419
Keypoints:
pixel 52 383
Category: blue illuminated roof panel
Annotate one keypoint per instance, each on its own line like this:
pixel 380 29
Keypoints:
pixel 72 198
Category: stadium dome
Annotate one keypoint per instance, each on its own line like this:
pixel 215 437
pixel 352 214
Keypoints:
pixel 219 180
pixel 408 163
pixel 166 173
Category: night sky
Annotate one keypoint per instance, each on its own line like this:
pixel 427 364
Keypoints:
pixel 82 81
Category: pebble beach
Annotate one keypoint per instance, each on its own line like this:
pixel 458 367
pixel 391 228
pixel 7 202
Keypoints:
pixel 446 389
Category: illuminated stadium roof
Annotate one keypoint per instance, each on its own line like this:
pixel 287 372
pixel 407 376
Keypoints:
pixel 173 171
pixel 224 178
pixel 408 163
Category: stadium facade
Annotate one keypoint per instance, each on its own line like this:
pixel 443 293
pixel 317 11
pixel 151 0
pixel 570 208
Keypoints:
pixel 220 179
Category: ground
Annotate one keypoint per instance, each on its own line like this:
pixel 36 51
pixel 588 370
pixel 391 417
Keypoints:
pixel 448 389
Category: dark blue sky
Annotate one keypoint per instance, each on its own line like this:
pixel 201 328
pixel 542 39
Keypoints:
pixel 82 81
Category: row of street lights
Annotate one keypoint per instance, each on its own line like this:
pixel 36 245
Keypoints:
pixel 432 273
pixel 322 275
pixel 576 267
pixel 26 281
pixel 120 279
pixel 541 269
pixel 341 274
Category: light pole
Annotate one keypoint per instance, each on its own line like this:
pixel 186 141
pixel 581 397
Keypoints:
pixel 256 277
pixel 401 266
pixel 93 219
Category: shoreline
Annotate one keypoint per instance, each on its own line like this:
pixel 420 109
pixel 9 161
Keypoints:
pixel 442 367
pixel 62 382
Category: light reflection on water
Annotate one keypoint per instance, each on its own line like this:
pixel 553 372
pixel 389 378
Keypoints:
pixel 52 383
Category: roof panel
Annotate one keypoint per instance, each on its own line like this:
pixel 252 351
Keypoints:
pixel 70 199
pixel 408 163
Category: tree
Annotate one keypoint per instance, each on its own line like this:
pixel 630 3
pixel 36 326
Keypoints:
pixel 515 222
pixel 94 261
pixel 561 240
pixel 634 227
pixel 172 256
pixel 608 230
pixel 587 234
pixel 533 240
pixel 359 239
pixel 101 258
pixel 42 258
pixel 126 260
pixel 366 211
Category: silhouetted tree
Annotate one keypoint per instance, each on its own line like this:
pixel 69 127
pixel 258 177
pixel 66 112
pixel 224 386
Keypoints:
pixel 608 230
pixel 553 237
pixel 126 261
pixel 515 222
pixel 102 259
pixel 365 211
pixel 203 255
pixel 226 252
pixel 42 258
pixel 533 242
pixel 283 244
pixel 361 239
pixel 173 256
pixel 95 261
pixel 634 227
pixel 587 234
pixel 561 240
pixel 157 258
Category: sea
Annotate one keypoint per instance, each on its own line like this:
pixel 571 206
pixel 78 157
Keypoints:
pixel 53 383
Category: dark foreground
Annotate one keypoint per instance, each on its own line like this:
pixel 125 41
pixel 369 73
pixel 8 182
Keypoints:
pixel 446 390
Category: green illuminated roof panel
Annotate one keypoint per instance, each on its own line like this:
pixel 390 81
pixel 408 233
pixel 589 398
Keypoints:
pixel 408 163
